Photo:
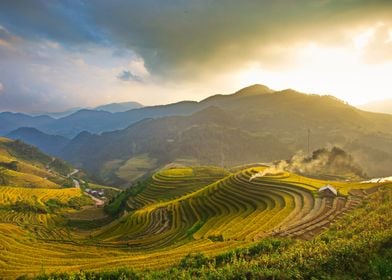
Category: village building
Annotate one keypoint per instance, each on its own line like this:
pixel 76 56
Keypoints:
pixel 327 191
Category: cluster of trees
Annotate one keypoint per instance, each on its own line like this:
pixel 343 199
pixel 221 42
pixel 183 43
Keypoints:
pixel 118 203
pixel 12 165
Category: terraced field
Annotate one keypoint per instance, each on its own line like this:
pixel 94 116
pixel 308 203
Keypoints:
pixel 11 195
pixel 233 208
pixel 175 182
pixel 182 210
pixel 22 165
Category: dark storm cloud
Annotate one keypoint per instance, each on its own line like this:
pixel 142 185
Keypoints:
pixel 187 37
pixel 63 21
pixel 4 34
pixel 191 36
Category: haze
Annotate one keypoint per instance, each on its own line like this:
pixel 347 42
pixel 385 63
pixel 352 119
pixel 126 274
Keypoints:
pixel 60 54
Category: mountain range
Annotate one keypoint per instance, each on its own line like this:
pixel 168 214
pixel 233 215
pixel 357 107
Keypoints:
pixel 94 121
pixel 255 124
pixel 112 108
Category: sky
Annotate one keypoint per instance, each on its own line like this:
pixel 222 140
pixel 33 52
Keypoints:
pixel 56 55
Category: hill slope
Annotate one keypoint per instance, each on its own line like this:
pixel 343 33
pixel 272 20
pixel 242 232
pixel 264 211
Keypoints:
pixel 253 125
pixel 207 137
pixel 50 144
pixel 22 165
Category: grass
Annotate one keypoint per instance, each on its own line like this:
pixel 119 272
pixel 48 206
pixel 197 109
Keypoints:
pixel 136 167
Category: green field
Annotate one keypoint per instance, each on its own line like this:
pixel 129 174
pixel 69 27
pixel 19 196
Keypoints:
pixel 136 167
pixel 178 211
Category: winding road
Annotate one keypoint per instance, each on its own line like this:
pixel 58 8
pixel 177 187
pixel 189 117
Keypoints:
pixel 98 202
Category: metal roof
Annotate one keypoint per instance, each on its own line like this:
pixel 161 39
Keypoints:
pixel 330 188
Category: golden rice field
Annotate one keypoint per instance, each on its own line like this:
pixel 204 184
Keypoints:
pixel 15 178
pixel 11 195
pixel 181 211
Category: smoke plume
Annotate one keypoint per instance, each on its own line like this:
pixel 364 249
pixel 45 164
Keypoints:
pixel 333 163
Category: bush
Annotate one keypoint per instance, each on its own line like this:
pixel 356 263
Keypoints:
pixel 193 261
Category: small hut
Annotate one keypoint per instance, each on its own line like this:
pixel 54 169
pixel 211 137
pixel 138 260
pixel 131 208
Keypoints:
pixel 327 191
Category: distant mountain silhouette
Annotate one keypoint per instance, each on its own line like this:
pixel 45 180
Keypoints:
pixel 383 106
pixel 111 108
pixel 119 107
pixel 98 121
pixel 11 121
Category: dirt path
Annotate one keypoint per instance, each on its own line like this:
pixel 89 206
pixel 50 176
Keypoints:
pixel 98 202
pixel 76 183
pixel 72 173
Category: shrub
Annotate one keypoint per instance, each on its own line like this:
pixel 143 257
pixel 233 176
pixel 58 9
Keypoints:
pixel 193 261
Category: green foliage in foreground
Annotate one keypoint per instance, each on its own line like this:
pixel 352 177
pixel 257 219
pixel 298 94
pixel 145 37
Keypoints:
pixel 359 246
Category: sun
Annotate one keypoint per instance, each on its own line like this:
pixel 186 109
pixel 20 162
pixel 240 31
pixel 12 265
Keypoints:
pixel 341 71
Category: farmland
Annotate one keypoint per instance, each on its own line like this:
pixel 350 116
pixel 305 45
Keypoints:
pixel 176 212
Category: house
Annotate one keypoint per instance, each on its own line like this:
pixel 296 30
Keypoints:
pixel 327 191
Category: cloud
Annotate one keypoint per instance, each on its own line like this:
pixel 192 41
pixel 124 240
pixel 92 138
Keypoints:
pixel 136 71
pixel 46 76
pixel 1 87
pixel 4 33
pixel 184 39
pixel 379 46
pixel 128 76
pixel 62 21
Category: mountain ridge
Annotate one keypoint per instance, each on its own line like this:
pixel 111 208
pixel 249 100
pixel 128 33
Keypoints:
pixel 49 144
pixel 274 124
pixel 101 121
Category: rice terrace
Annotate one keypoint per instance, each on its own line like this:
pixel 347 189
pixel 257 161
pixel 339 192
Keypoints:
pixel 179 211
pixel 139 139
